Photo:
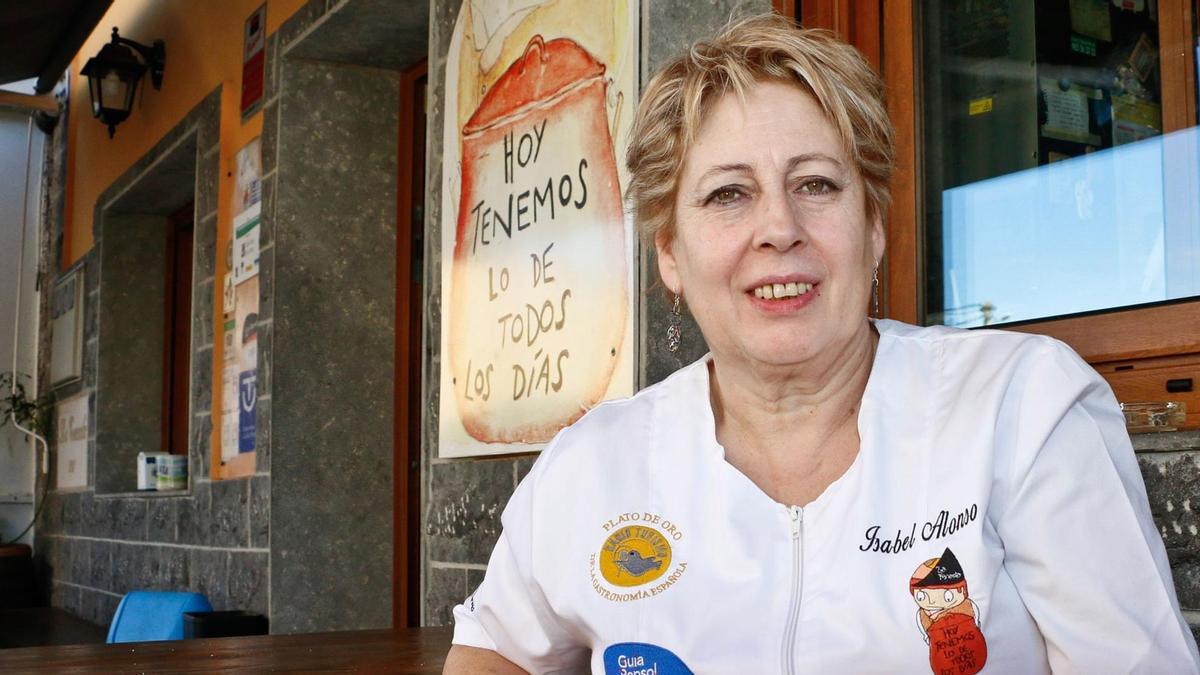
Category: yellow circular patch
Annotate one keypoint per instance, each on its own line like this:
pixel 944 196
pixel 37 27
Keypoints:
pixel 634 555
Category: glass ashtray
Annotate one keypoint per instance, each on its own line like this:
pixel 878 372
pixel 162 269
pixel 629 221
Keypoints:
pixel 1143 416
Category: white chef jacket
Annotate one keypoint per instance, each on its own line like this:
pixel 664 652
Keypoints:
pixel 632 546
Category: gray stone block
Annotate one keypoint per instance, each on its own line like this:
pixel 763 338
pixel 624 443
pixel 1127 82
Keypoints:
pixel 335 225
pixel 173 568
pixel 523 465
pixel 298 23
pixel 248 582
pixel 161 518
pixel 266 287
pixel 270 137
pixel 199 446
pixel 266 232
pixel 1173 487
pixel 463 515
pixel 260 511
pixel 227 525
pixel 78 557
pixel 444 589
pixel 72 504
pixel 92 437
pixel 90 322
pixel 271 76
pixel 262 434
pixel 132 567
pixel 209 575
pixel 129 519
pixel 265 334
pixel 106 608
pixel 101 573
pixel 204 265
pixel 208 122
pixel 193 515
pixel 87 369
pixel 202 376
pixel 91 272
pixel 99 517
pixel 1167 441
pixel 208 175
pixel 202 318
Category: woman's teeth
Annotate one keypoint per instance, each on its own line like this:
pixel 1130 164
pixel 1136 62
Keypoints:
pixel 777 291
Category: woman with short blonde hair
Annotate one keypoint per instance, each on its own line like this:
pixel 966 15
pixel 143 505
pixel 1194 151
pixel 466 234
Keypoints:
pixel 764 508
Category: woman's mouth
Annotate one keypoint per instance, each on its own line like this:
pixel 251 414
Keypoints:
pixel 791 289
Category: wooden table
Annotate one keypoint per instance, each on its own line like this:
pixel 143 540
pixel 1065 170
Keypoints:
pixel 406 650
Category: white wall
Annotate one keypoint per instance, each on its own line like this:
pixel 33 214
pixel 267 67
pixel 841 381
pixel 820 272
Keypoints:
pixel 18 207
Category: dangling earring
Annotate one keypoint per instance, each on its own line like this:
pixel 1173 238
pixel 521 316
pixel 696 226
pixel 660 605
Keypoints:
pixel 875 292
pixel 675 328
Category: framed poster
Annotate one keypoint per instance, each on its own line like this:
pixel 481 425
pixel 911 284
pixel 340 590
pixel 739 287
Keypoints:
pixel 537 250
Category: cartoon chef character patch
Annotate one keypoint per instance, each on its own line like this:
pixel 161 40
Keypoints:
pixel 947 617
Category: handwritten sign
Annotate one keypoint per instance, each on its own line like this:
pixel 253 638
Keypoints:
pixel 537 311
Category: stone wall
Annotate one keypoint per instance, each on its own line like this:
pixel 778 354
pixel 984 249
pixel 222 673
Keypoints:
pixel 92 547
pixel 1170 464
pixel 464 498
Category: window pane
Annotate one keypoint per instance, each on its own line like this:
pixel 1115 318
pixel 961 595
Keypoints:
pixel 1050 185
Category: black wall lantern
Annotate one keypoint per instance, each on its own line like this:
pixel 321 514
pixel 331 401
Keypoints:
pixel 114 73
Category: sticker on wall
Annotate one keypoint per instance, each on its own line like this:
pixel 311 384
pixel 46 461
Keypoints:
pixel 537 249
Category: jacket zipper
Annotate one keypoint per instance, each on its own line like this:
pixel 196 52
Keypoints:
pixel 793 619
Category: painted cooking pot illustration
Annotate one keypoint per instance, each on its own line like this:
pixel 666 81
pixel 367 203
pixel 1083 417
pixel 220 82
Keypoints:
pixel 539 298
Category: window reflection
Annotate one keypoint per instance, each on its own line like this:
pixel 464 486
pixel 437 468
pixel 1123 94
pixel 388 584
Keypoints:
pixel 1111 228
pixel 1049 187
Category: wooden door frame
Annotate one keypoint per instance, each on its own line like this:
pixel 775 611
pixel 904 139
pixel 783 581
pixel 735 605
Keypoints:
pixel 404 454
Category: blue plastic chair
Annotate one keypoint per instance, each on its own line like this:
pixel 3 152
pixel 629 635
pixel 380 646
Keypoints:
pixel 145 616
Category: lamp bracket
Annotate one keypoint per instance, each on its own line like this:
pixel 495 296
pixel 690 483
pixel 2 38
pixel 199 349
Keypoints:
pixel 155 55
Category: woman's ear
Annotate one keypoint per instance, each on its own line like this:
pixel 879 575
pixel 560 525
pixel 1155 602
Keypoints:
pixel 878 239
pixel 668 267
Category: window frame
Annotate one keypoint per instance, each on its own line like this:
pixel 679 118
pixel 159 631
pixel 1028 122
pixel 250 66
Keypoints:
pixel 1113 335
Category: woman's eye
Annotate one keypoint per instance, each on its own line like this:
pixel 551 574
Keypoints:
pixel 816 186
pixel 724 196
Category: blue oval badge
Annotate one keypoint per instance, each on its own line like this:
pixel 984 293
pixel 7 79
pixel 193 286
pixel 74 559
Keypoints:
pixel 639 658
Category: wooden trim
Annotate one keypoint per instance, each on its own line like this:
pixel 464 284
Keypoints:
pixel 241 466
pixel 903 266
pixel 831 14
pixel 1177 64
pixel 1128 334
pixel 43 102
pixel 403 499
pixel 784 7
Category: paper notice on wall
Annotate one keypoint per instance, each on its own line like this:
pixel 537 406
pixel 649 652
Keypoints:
pixel 245 243
pixel 71 438
pixel 245 365
pixel 230 368
pixel 247 210
pixel 1067 116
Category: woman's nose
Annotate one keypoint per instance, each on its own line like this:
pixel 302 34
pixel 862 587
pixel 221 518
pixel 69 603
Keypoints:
pixel 780 223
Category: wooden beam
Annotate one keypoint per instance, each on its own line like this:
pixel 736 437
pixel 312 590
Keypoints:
pixel 903 274
pixel 44 102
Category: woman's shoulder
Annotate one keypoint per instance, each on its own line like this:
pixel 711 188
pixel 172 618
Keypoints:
pixel 980 349
pixel 621 431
